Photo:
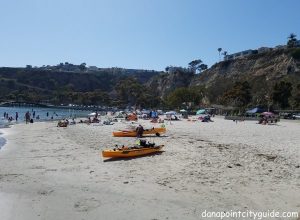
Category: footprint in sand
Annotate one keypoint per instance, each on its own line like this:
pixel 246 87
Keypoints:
pixel 86 205
pixel 45 192
pixel 38 167
pixel 9 177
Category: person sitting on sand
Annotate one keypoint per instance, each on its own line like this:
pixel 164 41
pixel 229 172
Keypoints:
pixel 160 120
pixel 154 120
pixel 95 120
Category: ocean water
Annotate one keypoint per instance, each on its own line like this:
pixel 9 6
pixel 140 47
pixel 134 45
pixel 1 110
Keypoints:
pixel 56 113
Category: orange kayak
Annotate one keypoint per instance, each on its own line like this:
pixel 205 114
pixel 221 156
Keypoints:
pixel 131 152
pixel 156 131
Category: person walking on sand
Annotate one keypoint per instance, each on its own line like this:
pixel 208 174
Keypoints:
pixel 27 117
pixel 17 116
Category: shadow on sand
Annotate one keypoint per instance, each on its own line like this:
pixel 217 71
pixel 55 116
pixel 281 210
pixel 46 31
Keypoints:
pixel 132 158
pixel 145 137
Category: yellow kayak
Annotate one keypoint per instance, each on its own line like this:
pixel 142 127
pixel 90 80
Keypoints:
pixel 131 152
pixel 156 131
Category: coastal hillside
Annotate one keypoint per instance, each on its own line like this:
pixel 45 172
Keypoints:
pixel 271 78
pixel 66 83
pixel 261 71
pixel 272 65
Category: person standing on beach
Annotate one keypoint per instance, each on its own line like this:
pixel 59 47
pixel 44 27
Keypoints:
pixel 27 117
pixel 33 114
pixel 47 114
pixel 17 116
pixel 139 131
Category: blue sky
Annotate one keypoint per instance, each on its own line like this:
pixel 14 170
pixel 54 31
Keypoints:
pixel 148 34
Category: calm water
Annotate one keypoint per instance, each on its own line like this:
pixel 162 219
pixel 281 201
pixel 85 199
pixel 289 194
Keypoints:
pixel 56 113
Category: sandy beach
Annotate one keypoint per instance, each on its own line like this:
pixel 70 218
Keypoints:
pixel 55 173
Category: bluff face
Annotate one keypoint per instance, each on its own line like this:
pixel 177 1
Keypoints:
pixel 261 71
pixel 269 66
pixel 165 83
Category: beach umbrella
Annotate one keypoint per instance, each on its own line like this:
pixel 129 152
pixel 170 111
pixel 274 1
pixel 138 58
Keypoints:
pixel 182 110
pixel 92 114
pixel 267 113
pixel 255 110
pixel 200 111
pixel 146 111
pixel 171 113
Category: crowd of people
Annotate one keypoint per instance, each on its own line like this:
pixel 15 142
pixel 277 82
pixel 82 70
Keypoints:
pixel 28 116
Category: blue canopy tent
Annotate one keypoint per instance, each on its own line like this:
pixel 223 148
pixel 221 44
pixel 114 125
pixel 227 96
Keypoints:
pixel 200 112
pixel 255 110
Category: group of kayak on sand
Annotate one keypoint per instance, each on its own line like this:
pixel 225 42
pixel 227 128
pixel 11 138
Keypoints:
pixel 140 148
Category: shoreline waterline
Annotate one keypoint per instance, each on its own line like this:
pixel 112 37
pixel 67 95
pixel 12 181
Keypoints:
pixel 3 140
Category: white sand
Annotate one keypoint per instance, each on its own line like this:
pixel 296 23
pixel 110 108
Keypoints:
pixel 57 173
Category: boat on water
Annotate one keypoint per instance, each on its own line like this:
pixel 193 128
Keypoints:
pixel 135 151
pixel 133 133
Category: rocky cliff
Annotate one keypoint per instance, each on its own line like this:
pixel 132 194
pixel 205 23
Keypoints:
pixel 262 71
pixel 165 83
pixel 272 65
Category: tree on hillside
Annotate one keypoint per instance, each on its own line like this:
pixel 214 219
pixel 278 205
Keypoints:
pixel 82 66
pixel 282 91
pixel 194 65
pixel 202 67
pixel 219 50
pixel 197 65
pixel 292 40
pixel 295 100
pixel 239 95
pixel 179 96
pixel 131 92
pixel 225 54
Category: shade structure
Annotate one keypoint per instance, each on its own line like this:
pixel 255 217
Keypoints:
pixel 255 110
pixel 200 112
pixel 182 110
pixel 171 113
pixel 92 114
